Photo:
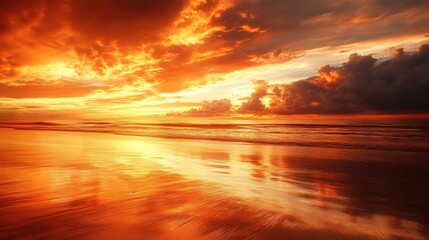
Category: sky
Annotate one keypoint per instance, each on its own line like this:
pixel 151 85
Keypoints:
pixel 108 59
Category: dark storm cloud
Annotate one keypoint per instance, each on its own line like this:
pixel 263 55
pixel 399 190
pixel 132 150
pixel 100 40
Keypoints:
pixel 361 85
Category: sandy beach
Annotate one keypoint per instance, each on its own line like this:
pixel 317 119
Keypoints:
pixel 78 185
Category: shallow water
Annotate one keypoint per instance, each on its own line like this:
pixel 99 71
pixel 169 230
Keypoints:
pixel 77 185
pixel 390 135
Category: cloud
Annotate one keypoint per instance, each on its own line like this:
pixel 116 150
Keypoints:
pixel 127 21
pixel 61 89
pixel 254 103
pixel 177 44
pixel 114 56
pixel 212 108
pixel 302 25
pixel 360 85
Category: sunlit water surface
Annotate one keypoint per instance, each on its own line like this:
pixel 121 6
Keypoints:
pixel 76 185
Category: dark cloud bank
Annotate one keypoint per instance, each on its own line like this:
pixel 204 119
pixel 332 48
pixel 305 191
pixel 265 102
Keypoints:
pixel 361 85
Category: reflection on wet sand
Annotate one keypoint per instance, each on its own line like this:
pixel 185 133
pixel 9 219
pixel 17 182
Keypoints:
pixel 60 185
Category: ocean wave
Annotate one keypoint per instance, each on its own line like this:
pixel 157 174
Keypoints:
pixel 406 139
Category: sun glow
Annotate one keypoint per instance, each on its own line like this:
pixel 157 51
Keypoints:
pixel 195 51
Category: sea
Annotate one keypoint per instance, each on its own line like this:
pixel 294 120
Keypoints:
pixel 229 179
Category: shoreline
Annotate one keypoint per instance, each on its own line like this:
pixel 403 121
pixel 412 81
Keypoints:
pixel 343 154
pixel 232 140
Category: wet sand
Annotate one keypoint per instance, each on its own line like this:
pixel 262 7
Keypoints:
pixel 73 185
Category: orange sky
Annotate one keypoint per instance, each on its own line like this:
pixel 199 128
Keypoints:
pixel 125 59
